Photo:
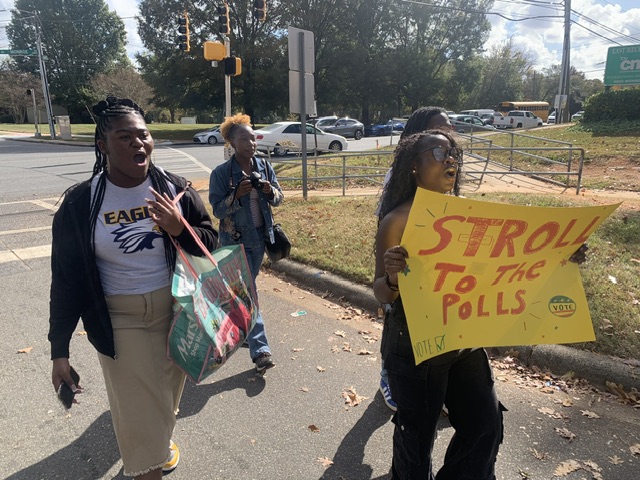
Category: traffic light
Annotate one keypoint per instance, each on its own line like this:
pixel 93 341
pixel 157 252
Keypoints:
pixel 260 10
pixel 183 30
pixel 223 19
pixel 232 66
pixel 214 51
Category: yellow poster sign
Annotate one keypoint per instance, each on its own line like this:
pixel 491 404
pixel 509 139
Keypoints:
pixel 483 274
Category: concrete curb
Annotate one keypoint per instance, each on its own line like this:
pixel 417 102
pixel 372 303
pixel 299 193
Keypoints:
pixel 559 359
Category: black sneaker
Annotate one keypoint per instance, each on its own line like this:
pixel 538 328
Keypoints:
pixel 264 362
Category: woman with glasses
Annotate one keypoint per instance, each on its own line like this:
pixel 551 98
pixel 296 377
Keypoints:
pixel 463 378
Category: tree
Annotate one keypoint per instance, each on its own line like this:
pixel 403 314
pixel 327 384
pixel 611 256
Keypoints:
pixel 501 77
pixel 121 81
pixel 80 38
pixel 14 85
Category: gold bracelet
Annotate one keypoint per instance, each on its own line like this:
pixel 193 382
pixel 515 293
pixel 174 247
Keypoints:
pixel 390 286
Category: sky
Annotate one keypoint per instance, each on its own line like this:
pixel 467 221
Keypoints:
pixel 598 25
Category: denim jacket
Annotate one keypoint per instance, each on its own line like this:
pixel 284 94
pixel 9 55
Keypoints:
pixel 236 224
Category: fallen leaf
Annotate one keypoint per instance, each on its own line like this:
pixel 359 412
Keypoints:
pixel 324 461
pixel 276 289
pixel 564 433
pixel 340 333
pixel 364 332
pixel 616 460
pixel 589 414
pixel 297 349
pixel 613 279
pixel 320 369
pixel 335 349
pixel 567 467
pixel 304 389
pixel 635 449
pixel 346 347
pixel 351 398
pixel 538 455
pixel 313 428
pixel 25 350
pixel 551 413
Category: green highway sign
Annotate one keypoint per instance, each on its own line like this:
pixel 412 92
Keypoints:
pixel 623 66
pixel 17 52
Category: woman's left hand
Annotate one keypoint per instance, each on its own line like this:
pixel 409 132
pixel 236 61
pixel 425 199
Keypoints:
pixel 165 214
pixel 267 189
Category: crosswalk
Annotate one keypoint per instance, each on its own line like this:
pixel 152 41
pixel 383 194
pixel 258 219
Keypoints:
pixel 17 217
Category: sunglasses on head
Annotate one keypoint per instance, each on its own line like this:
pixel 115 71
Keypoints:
pixel 440 154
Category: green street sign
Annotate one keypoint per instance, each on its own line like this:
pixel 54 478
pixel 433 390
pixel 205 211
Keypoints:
pixel 623 66
pixel 17 52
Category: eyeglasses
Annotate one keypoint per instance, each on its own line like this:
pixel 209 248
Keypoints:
pixel 440 154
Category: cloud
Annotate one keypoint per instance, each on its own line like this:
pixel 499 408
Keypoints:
pixel 542 38
pixel 127 10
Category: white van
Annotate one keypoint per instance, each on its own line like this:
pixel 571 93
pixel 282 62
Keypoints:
pixel 478 112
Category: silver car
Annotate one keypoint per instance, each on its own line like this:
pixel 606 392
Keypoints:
pixel 469 123
pixel 347 127
pixel 211 136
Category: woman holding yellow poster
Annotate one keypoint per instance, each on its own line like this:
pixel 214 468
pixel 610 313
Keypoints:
pixel 462 379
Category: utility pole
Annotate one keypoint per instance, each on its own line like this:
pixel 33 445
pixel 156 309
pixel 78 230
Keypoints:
pixel 563 90
pixel 45 82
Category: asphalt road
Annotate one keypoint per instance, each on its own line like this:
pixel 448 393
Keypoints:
pixel 236 425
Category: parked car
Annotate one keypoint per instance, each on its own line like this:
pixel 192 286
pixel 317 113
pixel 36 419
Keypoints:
pixel 383 128
pixel 282 137
pixel 347 127
pixel 577 116
pixel 479 112
pixel 523 119
pixel 551 119
pixel 497 120
pixel 325 121
pixel 211 136
pixel 468 123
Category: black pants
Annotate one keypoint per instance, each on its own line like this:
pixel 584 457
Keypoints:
pixel 463 380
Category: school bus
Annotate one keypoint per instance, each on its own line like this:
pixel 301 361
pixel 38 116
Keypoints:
pixel 539 109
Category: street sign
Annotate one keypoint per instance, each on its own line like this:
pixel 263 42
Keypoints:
pixel 294 92
pixel 623 66
pixel 17 52
pixel 308 50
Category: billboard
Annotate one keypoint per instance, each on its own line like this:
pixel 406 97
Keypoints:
pixel 623 66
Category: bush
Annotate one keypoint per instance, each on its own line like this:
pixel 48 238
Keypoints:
pixel 7 119
pixel 612 105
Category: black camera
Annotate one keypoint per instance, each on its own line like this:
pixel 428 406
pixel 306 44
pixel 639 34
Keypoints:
pixel 256 181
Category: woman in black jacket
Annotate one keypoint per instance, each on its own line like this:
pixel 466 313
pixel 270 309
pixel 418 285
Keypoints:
pixel 112 263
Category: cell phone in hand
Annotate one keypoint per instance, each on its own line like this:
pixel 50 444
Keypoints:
pixel 65 394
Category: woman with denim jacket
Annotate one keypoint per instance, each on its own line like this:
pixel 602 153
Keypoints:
pixel 241 192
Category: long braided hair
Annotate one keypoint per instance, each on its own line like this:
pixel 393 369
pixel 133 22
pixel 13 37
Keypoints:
pixel 106 111
pixel 402 184
pixel 420 119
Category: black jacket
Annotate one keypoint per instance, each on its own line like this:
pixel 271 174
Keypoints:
pixel 76 289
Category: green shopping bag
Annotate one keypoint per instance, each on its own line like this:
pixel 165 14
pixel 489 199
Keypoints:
pixel 215 308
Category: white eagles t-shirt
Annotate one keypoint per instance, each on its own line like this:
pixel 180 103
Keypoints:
pixel 130 251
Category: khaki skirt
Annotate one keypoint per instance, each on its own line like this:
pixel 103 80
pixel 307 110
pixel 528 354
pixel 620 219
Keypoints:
pixel 144 387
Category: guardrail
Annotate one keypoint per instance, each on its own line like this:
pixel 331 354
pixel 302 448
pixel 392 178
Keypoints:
pixel 480 152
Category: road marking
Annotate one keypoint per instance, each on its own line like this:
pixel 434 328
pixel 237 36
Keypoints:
pixel 40 202
pixel 25 230
pixel 193 159
pixel 28 253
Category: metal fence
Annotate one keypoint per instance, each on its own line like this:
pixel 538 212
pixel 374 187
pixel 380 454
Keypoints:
pixel 480 152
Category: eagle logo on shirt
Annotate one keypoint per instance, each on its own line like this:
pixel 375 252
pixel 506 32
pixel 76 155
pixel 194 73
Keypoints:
pixel 134 237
